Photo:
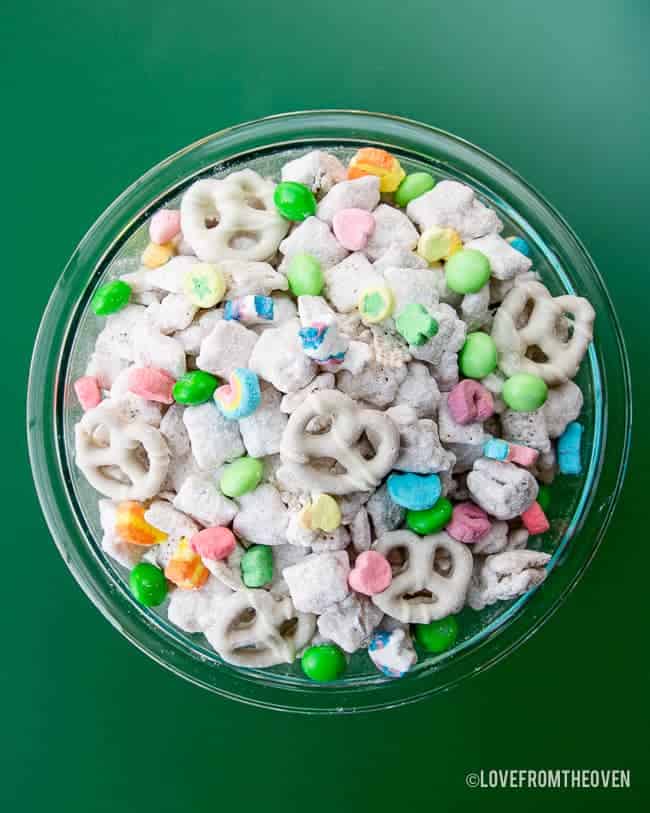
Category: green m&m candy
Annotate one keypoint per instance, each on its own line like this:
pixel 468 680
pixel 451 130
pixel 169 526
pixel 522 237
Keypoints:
pixel 111 297
pixel 241 476
pixel 414 185
pixel 148 584
pixel 305 276
pixel 195 387
pixel 257 566
pixel 323 663
pixel 467 271
pixel 430 520
pixel 478 356
pixel 294 201
pixel 524 392
pixel 437 636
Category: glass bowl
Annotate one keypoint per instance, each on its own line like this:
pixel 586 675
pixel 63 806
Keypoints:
pixel 581 506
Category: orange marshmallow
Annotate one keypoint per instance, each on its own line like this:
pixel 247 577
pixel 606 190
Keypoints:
pixel 185 569
pixel 156 255
pixel 373 161
pixel 131 525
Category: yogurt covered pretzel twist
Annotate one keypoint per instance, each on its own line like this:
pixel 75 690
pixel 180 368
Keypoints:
pixel 542 330
pixel 349 422
pixel 103 440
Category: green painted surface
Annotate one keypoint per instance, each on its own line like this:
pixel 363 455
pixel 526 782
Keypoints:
pixel 93 95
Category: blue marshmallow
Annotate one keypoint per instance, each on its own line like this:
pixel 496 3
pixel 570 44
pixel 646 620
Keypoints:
pixel 568 449
pixel 414 491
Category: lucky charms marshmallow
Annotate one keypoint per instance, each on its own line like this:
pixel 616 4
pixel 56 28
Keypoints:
pixel 327 411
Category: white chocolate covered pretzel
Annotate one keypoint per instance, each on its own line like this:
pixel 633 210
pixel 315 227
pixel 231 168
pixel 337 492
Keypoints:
pixel 340 442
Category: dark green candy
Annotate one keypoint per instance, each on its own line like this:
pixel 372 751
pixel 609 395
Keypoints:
pixel 148 584
pixel 544 497
pixel 323 663
pixel 193 388
pixel 432 519
pixel 111 297
pixel 437 636
pixel 294 201
pixel 257 566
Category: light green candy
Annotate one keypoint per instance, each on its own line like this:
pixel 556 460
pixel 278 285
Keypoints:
pixel 414 185
pixel 478 356
pixel 467 271
pixel 241 476
pixel 257 566
pixel 524 392
pixel 305 276
pixel 416 325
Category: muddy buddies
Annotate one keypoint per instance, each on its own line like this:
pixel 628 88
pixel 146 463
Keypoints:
pixel 325 413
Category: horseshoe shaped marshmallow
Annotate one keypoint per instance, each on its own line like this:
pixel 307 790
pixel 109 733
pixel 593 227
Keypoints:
pixel 104 441
pixel 340 442
pixel 266 638
pixel 436 564
pixel 232 218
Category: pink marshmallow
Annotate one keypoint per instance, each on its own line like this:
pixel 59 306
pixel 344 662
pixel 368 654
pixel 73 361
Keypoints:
pixel 469 523
pixel 88 392
pixel 535 520
pixel 353 227
pixel 152 384
pixel 522 455
pixel 371 574
pixel 213 543
pixel 164 226
pixel 469 401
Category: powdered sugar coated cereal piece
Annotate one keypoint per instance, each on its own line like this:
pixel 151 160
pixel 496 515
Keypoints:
pixel 526 428
pixel 375 384
pixel 502 489
pixel 118 336
pixel 192 336
pixel 244 278
pixel 494 541
pixel 360 531
pixel 278 358
pixel 318 581
pixel 505 576
pixel 385 515
pixel 316 169
pixel 262 431
pixel 563 405
pixel 350 623
pixel 196 610
pixel 105 367
pixel 199 498
pixel 392 230
pixel 226 348
pixel 174 431
pixel 505 261
pixel 474 309
pixel 453 432
pixel 174 313
pixel 345 281
pixel 420 449
pixel 313 237
pixel 453 204
pixel 449 338
pixel 361 193
pixel 411 286
pixel 396 256
pixel 291 401
pixel 151 348
pixel 170 277
pixel 262 517
pixel 214 439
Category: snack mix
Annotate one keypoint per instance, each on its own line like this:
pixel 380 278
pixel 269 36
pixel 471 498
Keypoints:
pixel 319 412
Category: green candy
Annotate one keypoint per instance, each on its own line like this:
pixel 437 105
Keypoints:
pixel 467 271
pixel 544 497
pixel 294 201
pixel 196 387
pixel 323 663
pixel 524 392
pixel 257 566
pixel 414 185
pixel 478 356
pixel 241 476
pixel 148 584
pixel 432 519
pixel 437 636
pixel 416 325
pixel 111 297
pixel 305 276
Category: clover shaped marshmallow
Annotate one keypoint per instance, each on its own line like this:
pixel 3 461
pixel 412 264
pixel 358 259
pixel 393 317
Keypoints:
pixel 432 580
pixel 232 218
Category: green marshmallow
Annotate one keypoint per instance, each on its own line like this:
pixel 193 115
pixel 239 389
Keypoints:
pixel 111 298
pixel 257 566
pixel 524 392
pixel 195 387
pixel 431 520
pixel 467 271
pixel 416 325
pixel 241 476
pixel 414 185
pixel 323 663
pixel 478 356
pixel 148 584
pixel 305 276
pixel 437 636
pixel 294 201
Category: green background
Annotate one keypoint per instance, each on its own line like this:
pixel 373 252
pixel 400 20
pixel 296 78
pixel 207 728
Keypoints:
pixel 92 95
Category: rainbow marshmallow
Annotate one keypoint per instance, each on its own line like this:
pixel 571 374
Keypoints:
pixel 251 309
pixel 241 397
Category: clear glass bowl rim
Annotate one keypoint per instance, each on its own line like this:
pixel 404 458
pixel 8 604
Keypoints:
pixel 45 399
